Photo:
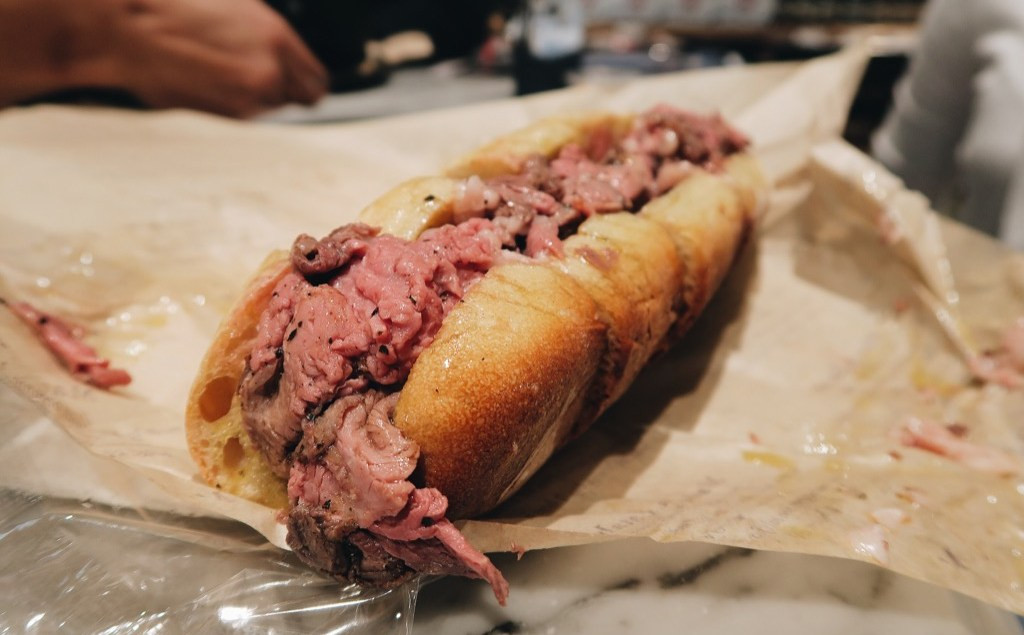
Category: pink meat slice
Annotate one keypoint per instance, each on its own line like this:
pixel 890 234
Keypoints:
pixel 354 461
pixel 941 440
pixel 63 340
pixel 423 519
pixel 352 472
pixel 663 146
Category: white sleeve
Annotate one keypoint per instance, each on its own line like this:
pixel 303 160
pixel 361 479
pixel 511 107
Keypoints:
pixel 932 103
pixel 1012 230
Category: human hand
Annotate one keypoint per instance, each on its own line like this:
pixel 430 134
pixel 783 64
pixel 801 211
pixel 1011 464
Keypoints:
pixel 233 57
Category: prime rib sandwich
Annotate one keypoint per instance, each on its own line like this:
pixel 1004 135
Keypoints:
pixel 418 366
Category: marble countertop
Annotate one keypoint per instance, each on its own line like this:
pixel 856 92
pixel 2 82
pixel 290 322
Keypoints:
pixel 640 586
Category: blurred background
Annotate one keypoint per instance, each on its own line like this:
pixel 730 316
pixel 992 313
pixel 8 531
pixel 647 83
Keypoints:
pixel 394 56
pixel 950 129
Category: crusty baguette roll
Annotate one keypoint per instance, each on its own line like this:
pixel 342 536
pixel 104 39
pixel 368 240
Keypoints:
pixel 709 217
pixel 227 458
pixel 487 410
pixel 535 350
pixel 412 207
pixel 611 258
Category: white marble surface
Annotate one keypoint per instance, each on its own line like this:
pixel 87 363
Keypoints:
pixel 640 586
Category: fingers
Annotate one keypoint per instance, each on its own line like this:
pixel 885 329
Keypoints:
pixel 234 58
pixel 291 72
pixel 203 77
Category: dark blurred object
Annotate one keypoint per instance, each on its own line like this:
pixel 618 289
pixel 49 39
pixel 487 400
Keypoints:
pixel 549 45
pixel 821 11
pixel 625 49
pixel 89 97
pixel 545 45
pixel 873 99
pixel 339 32
pixel 533 74
pixel 457 27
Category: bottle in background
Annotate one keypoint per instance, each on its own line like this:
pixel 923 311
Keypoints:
pixel 550 46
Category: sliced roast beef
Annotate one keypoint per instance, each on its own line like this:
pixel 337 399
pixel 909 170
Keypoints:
pixel 267 419
pixel 512 202
pixel 63 339
pixel 267 408
pixel 671 133
pixel 422 537
pixel 543 238
pixel 312 257
pixel 596 188
pixel 353 462
pixel 357 556
pixel 273 324
pixel 350 473
pixel 375 565
pixel 317 342
pixel 537 173
pixel 662 147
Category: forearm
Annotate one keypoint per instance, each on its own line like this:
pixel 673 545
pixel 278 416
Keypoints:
pixel 234 57
pixel 51 45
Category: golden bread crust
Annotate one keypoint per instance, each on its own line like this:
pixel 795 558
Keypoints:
pixel 507 153
pixel 226 456
pixel 413 206
pixel 631 269
pixel 502 384
pixel 534 352
pixel 708 216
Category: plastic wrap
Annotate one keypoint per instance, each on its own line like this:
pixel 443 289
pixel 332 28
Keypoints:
pixel 81 567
